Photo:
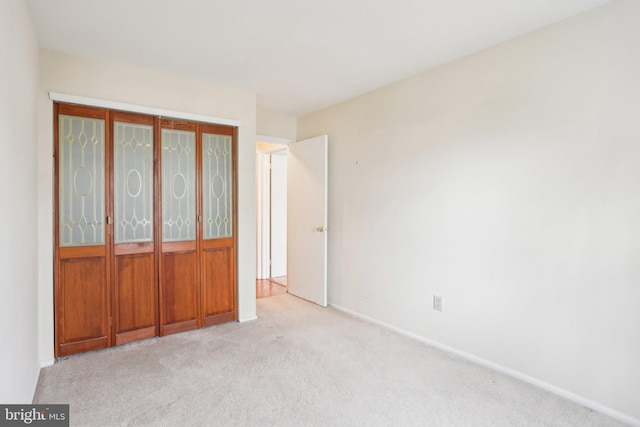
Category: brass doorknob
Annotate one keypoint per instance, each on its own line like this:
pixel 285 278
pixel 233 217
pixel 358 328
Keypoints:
pixel 321 228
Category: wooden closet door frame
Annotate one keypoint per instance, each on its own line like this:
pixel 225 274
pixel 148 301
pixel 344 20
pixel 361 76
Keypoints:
pixel 64 255
pixel 134 249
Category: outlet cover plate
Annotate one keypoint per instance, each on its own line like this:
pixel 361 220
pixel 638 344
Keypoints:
pixel 437 302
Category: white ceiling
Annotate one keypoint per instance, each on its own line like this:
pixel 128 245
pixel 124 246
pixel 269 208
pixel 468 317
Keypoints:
pixel 297 55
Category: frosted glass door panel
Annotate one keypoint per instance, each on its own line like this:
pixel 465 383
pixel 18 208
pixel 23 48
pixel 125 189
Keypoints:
pixel 81 181
pixel 133 182
pixel 178 185
pixel 217 186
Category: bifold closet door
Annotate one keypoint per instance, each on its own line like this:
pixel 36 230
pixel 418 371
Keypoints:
pixel 179 267
pixel 218 232
pixel 82 235
pixel 145 234
pixel 135 298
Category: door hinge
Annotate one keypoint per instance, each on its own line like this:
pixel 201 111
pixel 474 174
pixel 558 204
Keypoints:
pixel 108 219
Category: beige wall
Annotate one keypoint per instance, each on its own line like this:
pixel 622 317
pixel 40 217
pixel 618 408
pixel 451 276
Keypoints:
pixel 116 82
pixel 507 182
pixel 18 195
pixel 272 124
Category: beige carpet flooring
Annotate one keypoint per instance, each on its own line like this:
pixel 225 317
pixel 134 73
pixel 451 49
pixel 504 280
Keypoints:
pixel 297 365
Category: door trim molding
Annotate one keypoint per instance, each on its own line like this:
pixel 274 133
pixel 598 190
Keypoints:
pixel 133 108
pixel 263 215
pixel 274 140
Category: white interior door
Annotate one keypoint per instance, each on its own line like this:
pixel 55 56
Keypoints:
pixel 307 219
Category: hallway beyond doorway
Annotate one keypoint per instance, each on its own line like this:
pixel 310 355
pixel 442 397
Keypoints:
pixel 271 287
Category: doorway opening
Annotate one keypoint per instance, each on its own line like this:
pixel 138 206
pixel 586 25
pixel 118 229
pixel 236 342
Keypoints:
pixel 271 215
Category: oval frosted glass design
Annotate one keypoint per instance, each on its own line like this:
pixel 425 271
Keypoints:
pixel 217 186
pixel 81 181
pixel 133 182
pixel 178 185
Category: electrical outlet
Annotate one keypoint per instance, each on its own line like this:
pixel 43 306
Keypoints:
pixel 437 302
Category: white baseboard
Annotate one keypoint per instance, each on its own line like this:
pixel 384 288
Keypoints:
pixel 47 363
pixel 35 385
pixel 248 319
pixel 511 372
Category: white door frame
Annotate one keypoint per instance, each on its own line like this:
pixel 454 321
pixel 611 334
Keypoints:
pixel 263 213
pixel 263 201
pixel 279 223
